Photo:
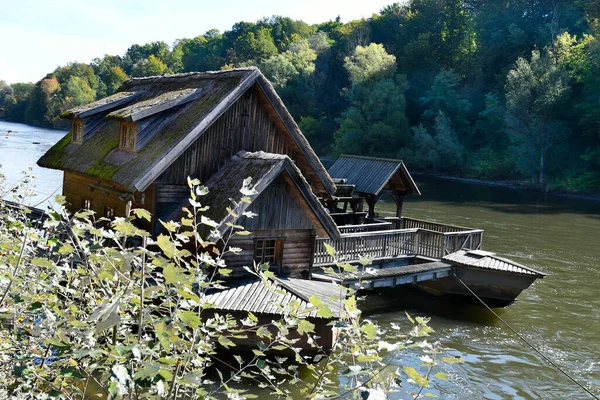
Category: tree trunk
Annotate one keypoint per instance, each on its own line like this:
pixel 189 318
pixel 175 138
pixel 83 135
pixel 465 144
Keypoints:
pixel 542 166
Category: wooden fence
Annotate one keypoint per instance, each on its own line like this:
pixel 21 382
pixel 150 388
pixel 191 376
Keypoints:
pixel 388 244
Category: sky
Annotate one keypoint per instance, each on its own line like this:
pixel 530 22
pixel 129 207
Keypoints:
pixel 39 35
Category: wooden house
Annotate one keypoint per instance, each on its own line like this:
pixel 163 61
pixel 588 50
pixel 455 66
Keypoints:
pixel 136 149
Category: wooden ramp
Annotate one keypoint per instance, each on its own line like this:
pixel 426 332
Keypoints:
pixel 391 274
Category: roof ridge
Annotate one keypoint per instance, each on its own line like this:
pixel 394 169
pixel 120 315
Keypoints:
pixel 396 160
pixel 195 73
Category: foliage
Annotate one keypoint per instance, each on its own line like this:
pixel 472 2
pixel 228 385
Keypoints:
pixel 455 56
pixel 534 91
pixel 375 123
pixel 98 308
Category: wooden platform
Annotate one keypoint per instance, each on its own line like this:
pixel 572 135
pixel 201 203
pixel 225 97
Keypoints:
pixel 392 274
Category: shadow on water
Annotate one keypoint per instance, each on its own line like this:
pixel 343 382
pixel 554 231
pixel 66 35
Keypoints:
pixel 499 198
pixel 413 300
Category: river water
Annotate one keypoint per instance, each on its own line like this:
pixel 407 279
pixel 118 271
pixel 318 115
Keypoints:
pixel 20 147
pixel 559 314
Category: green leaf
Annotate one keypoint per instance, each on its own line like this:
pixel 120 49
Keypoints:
pixel 412 321
pixel 329 249
pixel 369 330
pixel 190 318
pixel 324 312
pixel 66 248
pixel 166 245
pixel 263 332
pixel 150 370
pixel 252 317
pixel 175 275
pixel 442 376
pixel 419 379
pixel 258 353
pixel 169 226
pixel 142 214
pixel 70 372
pixel 315 300
pixel 226 342
pixel 305 327
pixel 452 360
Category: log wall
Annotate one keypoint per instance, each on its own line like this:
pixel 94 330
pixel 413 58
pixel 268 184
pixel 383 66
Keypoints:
pixel 77 187
pixel 297 251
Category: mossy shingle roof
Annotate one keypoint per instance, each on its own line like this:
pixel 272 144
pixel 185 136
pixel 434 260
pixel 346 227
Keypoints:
pixel 262 168
pixel 171 112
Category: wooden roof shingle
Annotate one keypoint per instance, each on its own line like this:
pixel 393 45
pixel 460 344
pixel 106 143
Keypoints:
pixel 172 112
pixel 252 295
pixel 263 168
pixel 487 260
pixel 370 175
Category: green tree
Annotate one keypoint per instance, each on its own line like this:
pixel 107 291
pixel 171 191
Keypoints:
pixel 110 71
pixel 151 66
pixel 77 92
pixel 7 98
pixel 137 53
pixel 375 123
pixel 370 63
pixel 444 96
pixel 534 92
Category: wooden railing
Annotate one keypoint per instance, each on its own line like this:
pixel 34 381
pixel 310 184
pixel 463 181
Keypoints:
pixel 412 223
pixel 419 240
pixel 376 245
pixel 370 227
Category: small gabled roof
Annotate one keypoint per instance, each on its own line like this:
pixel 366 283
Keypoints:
pixel 370 175
pixel 487 260
pixel 172 112
pixel 276 296
pixel 262 168
pixel 108 103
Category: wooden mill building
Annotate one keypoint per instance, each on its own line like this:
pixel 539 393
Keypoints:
pixel 136 149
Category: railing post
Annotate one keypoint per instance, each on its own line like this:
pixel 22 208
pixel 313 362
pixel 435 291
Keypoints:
pixel 416 242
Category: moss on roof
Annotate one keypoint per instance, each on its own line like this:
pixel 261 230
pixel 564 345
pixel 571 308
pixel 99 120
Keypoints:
pixel 91 157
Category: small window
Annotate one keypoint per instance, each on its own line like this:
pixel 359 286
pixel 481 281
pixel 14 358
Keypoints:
pixel 109 212
pixel 128 133
pixel 268 251
pixel 87 204
pixel 77 130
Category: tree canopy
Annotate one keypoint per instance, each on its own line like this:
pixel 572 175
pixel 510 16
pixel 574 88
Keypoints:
pixel 359 86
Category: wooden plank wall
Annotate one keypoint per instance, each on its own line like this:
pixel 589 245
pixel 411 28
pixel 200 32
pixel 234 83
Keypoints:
pixel 249 124
pixel 76 188
pixel 297 251
pixel 277 208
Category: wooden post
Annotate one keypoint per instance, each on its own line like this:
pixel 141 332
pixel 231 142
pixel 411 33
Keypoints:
pixel 313 239
pixel 371 200
pixel 399 200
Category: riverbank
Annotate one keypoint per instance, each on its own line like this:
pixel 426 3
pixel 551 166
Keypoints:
pixel 511 184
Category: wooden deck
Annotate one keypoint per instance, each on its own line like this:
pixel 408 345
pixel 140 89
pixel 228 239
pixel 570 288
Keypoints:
pixel 416 238
pixel 392 275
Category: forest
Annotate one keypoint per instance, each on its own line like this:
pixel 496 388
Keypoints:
pixel 483 89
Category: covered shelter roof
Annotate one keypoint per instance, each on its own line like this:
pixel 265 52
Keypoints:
pixel 262 168
pixel 171 112
pixel 277 295
pixel 371 175
pixel 488 260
